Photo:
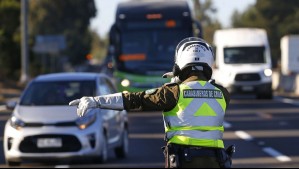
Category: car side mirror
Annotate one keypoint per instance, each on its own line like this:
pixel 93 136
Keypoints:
pixel 10 105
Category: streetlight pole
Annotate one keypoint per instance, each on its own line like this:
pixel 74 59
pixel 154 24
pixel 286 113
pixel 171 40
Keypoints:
pixel 24 43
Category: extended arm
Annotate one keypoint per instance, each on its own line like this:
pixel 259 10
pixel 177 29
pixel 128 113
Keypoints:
pixel 111 101
pixel 163 98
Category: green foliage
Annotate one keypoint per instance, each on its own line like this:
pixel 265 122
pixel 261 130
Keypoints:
pixel 70 18
pixel 9 38
pixel 204 14
pixel 252 17
pixel 99 47
pixel 278 17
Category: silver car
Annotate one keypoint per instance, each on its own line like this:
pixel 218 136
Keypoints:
pixel 44 126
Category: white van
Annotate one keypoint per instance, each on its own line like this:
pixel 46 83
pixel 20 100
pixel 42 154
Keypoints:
pixel 243 61
pixel 289 54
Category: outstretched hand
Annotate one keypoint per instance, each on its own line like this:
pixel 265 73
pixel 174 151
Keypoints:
pixel 84 104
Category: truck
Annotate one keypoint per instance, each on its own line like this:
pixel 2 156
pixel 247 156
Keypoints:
pixel 289 45
pixel 243 61
pixel 143 39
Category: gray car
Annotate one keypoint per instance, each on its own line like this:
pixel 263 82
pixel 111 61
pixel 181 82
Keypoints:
pixel 44 126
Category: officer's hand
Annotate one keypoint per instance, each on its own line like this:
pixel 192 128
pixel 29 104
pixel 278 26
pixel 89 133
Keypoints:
pixel 84 104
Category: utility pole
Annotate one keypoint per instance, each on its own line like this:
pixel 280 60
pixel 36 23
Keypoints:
pixel 24 43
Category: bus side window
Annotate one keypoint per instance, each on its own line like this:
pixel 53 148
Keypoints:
pixel 114 39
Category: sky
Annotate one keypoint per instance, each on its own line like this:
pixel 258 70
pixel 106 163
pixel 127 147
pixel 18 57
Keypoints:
pixel 106 12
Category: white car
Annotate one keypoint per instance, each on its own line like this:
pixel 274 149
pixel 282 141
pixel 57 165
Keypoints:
pixel 44 126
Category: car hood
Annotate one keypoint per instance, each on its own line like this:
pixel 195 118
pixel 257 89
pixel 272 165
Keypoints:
pixel 46 114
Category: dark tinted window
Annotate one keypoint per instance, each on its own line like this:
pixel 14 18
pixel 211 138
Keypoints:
pixel 57 93
pixel 149 52
pixel 240 55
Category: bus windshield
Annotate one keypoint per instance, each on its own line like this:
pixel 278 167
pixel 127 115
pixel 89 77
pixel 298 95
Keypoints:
pixel 149 52
pixel 243 55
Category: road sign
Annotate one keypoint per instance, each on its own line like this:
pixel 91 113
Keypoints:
pixel 49 44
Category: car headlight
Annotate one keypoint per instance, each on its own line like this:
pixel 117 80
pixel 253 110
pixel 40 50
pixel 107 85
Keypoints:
pixel 86 121
pixel 267 72
pixel 125 83
pixel 16 123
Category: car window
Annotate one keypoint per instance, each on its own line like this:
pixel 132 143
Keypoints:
pixel 106 86
pixel 110 86
pixel 56 93
pixel 104 89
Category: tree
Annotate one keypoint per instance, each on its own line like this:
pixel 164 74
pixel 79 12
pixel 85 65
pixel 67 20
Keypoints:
pixel 9 38
pixel 99 47
pixel 203 13
pixel 70 18
pixel 278 17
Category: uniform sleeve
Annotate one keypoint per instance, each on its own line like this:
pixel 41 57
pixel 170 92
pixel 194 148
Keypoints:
pixel 159 99
pixel 226 94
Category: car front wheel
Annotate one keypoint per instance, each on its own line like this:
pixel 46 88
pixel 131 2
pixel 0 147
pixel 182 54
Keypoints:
pixel 123 150
pixel 102 158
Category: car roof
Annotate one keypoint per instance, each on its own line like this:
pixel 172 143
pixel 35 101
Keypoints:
pixel 68 76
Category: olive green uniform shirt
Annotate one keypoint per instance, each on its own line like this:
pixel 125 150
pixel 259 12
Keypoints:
pixel 163 98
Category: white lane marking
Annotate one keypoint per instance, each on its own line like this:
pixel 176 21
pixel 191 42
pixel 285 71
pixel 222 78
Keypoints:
pixel 62 166
pixel 276 154
pixel 243 135
pixel 227 125
pixel 286 100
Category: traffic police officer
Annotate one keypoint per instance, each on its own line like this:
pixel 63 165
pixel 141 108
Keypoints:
pixel 193 109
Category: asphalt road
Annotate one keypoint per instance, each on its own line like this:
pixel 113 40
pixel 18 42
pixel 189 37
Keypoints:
pixel 265 132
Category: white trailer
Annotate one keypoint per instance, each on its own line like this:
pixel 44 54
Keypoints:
pixel 243 61
pixel 289 46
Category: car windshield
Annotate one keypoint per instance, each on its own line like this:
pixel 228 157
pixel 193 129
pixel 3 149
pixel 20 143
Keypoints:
pixel 147 52
pixel 243 55
pixel 56 93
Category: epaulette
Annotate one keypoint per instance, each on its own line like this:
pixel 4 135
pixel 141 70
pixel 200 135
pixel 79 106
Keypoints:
pixel 212 81
pixel 171 84
pixel 151 91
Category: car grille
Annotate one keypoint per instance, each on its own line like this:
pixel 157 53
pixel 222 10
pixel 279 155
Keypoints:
pixel 69 144
pixel 59 124
pixel 248 77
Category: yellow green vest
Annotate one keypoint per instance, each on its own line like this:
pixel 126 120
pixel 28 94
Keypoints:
pixel 197 119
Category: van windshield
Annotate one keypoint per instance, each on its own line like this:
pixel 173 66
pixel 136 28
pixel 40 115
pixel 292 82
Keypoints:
pixel 243 55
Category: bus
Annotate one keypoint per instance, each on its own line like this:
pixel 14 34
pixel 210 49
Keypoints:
pixel 143 39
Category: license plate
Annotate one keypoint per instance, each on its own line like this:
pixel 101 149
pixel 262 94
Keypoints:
pixel 247 88
pixel 49 142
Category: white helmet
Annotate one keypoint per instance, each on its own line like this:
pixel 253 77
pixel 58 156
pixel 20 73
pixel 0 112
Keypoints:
pixel 193 51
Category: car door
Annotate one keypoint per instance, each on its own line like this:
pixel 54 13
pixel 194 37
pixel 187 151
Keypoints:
pixel 118 120
pixel 108 115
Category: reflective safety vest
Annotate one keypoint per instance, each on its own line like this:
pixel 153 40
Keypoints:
pixel 197 119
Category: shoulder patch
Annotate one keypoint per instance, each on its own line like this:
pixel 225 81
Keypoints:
pixel 151 91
